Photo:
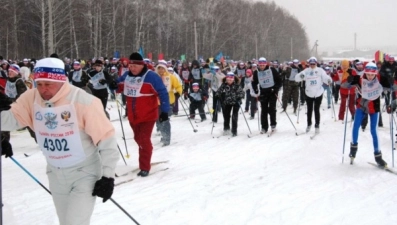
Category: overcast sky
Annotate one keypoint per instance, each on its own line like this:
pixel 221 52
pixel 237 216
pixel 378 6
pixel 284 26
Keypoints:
pixel 334 22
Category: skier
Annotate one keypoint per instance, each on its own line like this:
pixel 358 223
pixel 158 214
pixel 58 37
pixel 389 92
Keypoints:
pixel 368 103
pixel 216 82
pixel 195 75
pixel 81 153
pixel 99 80
pixel 230 94
pixel 144 90
pixel 197 97
pixel 291 87
pixel 173 86
pixel 314 78
pixel 250 96
pixel 78 77
pixel 270 82
pixel 346 91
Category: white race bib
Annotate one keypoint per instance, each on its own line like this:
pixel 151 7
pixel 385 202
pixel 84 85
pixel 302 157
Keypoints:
pixel 371 90
pixel 265 78
pixel 58 135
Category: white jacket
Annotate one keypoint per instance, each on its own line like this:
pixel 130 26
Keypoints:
pixel 314 79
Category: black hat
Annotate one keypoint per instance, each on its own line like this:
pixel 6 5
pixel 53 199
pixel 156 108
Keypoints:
pixel 98 62
pixel 136 58
pixel 54 55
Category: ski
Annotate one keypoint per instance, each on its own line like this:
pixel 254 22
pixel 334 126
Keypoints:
pixel 135 170
pixel 254 135
pixel 129 180
pixel 383 168
pixel 314 135
pixel 270 133
pixel 297 134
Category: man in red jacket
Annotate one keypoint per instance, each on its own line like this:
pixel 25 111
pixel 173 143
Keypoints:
pixel 144 89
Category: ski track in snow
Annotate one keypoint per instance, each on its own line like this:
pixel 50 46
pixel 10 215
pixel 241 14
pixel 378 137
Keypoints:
pixel 284 179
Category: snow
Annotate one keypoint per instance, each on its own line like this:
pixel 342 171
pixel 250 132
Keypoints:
pixel 284 179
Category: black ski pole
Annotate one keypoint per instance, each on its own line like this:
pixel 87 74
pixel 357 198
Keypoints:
pixel 126 213
pixel 122 129
pixel 194 130
pixel 215 115
pixel 344 135
pixel 1 182
pixel 26 171
pixel 121 154
pixel 245 118
pixel 296 132
pixel 332 101
pixel 49 192
pixel 391 124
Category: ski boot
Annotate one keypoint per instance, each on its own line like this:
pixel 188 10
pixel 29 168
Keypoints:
pixel 378 158
pixel 308 128
pixel 353 151
pixel 226 132
pixel 316 129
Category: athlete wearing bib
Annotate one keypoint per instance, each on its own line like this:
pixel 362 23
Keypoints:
pixel 100 80
pixel 144 89
pixel 314 78
pixel 269 82
pixel 75 137
pixel 370 87
pixel 195 74
pixel 78 77
pixel 172 85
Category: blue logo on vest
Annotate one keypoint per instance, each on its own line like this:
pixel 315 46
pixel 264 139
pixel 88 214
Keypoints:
pixel 38 116
pixel 51 122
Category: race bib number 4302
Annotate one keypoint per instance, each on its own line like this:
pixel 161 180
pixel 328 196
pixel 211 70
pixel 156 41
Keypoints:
pixel 55 144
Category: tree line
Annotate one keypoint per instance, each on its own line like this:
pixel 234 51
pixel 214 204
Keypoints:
pixel 93 28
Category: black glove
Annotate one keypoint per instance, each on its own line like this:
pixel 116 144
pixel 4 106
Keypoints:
pixel 391 80
pixel 104 188
pixel 6 148
pixel 177 95
pixel 350 79
pixel 5 102
pixel 163 117
pixel 185 95
pixel 103 81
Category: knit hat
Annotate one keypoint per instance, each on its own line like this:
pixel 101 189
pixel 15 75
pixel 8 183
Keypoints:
pixel 98 62
pixel 216 67
pixel 230 75
pixel 113 68
pixel 262 61
pixel 254 65
pixel 195 85
pixel 136 58
pixel 371 68
pixel 170 69
pixel 76 63
pixel 15 68
pixel 312 60
pixel 50 69
pixel 162 63
pixel 248 72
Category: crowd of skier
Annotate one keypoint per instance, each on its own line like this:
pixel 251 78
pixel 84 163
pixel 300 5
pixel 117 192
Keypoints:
pixel 152 92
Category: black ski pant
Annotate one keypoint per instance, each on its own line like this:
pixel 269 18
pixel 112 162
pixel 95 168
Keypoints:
pixel 268 104
pixel 316 102
pixel 227 109
pixel 197 105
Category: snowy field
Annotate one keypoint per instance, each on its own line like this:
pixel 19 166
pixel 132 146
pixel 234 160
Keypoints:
pixel 284 179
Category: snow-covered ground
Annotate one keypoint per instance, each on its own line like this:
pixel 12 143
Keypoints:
pixel 284 179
